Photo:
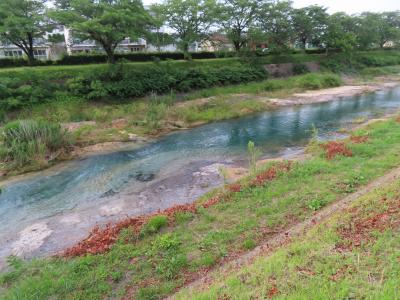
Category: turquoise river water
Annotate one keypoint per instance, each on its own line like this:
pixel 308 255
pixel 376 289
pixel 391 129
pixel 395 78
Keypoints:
pixel 72 198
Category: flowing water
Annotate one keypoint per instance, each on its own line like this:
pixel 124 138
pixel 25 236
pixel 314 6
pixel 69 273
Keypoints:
pixel 174 169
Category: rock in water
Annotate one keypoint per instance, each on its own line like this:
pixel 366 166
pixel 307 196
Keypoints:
pixel 145 177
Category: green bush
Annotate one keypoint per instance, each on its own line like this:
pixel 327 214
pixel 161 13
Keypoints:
pixel 154 225
pixel 300 68
pixel 347 63
pixel 314 81
pixel 331 80
pixel 119 82
pixel 27 141
pixel 275 85
pixel 311 81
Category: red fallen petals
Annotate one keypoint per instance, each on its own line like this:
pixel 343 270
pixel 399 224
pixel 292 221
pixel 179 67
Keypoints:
pixel 270 174
pixel 211 202
pixel 235 187
pixel 100 240
pixel 360 230
pixel 336 148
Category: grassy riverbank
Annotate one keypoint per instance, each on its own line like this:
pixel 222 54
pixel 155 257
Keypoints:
pixel 96 104
pixel 170 251
pixel 353 254
pixel 92 123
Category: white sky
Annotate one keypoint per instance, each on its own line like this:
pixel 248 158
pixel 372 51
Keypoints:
pixel 348 6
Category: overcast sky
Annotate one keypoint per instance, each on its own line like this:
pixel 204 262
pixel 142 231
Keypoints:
pixel 348 6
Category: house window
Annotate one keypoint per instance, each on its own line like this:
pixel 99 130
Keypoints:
pixel 13 53
pixel 135 49
pixel 40 53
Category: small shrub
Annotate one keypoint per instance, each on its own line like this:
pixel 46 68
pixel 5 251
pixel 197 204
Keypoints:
pixel 313 144
pixel 154 225
pixel 274 85
pixel 249 244
pixel 254 153
pixel 310 81
pixel 299 69
pixel 316 204
pixel 166 242
pixel 331 80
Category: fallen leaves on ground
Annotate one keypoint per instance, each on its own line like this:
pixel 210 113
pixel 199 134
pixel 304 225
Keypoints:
pixel 334 148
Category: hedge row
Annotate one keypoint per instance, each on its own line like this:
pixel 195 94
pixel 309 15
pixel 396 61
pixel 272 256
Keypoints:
pixel 120 83
pixel 82 59
pixel 356 61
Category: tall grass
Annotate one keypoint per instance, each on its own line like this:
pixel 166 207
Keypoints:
pixel 28 141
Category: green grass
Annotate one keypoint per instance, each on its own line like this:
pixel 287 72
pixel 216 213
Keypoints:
pixel 26 143
pixel 312 267
pixel 157 263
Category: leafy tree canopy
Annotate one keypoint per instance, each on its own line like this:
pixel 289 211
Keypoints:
pixel 22 22
pixel 236 18
pixel 108 22
pixel 309 24
pixel 191 20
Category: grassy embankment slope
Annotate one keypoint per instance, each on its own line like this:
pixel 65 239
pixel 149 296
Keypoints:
pixel 168 252
pixel 65 94
pixel 351 255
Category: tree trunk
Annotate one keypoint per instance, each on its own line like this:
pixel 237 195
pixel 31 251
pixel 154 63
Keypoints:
pixel 31 56
pixel 237 45
pixel 110 54
pixel 304 43
pixel 185 49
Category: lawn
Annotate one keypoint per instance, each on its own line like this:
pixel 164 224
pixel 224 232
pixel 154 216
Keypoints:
pixel 169 251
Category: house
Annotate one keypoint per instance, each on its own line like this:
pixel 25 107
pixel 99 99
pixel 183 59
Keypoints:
pixel 43 50
pixel 216 42
pixel 75 46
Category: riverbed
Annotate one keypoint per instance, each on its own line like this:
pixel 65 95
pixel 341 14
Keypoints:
pixel 42 214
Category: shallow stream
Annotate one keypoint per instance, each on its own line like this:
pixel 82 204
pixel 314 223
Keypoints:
pixel 66 201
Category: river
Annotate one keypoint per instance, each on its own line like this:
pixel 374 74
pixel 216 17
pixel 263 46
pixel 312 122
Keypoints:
pixel 64 202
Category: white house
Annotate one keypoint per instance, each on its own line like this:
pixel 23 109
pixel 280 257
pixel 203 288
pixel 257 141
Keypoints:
pixel 75 46
pixel 43 50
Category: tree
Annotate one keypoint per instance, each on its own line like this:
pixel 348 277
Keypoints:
pixel 236 18
pixel 309 24
pixel 23 22
pixel 389 28
pixel 156 36
pixel 276 22
pixel 107 22
pixel 340 32
pixel 190 19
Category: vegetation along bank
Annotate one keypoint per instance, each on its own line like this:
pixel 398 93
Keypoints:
pixel 85 105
